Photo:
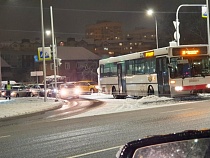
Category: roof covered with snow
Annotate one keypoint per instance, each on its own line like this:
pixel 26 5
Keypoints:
pixel 76 53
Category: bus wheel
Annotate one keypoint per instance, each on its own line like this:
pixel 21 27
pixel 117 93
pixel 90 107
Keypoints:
pixel 150 90
pixel 114 93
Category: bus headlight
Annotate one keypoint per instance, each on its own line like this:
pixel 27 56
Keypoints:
pixel 178 88
pixel 208 86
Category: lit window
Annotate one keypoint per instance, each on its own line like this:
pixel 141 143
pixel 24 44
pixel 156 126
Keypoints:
pixel 131 47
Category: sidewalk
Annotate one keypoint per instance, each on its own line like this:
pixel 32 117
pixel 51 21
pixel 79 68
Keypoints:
pixel 27 105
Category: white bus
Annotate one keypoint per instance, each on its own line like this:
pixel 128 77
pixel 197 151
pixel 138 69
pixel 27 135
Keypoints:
pixel 169 71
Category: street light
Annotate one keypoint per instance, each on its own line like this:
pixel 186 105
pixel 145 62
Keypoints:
pixel 150 12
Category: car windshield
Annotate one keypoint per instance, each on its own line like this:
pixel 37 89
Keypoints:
pixel 93 83
pixel 41 86
pixel 16 88
pixel 70 86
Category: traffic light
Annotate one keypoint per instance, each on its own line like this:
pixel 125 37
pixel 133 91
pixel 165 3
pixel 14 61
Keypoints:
pixel 59 62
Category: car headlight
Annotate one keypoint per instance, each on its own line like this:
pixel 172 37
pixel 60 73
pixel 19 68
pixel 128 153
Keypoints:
pixel 77 91
pixel 97 87
pixel 63 92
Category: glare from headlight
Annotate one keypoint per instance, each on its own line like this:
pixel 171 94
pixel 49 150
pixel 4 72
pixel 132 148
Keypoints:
pixel 178 88
pixel 54 90
pixel 97 87
pixel 208 86
pixel 77 91
pixel 63 92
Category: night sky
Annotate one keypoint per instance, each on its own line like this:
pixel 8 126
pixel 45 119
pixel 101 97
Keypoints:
pixel 22 19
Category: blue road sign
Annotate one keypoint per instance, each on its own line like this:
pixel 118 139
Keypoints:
pixel 36 58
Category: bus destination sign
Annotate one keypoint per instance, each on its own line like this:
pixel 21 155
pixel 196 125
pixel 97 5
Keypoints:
pixel 149 54
pixel 189 51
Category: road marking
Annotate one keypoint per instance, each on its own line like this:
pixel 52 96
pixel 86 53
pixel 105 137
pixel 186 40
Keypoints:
pixel 94 152
pixel 178 110
pixel 5 136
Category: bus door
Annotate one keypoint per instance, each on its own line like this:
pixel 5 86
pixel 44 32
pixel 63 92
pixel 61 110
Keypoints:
pixel 121 78
pixel 163 76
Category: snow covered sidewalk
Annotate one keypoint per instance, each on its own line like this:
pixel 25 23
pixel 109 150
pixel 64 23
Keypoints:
pixel 26 105
pixel 129 104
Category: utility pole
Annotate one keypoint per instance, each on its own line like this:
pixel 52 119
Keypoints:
pixel 43 52
pixel 53 49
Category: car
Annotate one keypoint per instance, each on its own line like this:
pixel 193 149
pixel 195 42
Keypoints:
pixel 87 87
pixel 51 90
pixel 18 91
pixel 69 90
pixel 189 143
pixel 35 89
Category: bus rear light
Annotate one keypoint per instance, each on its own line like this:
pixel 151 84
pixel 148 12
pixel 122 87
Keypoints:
pixel 208 86
pixel 173 82
pixel 178 88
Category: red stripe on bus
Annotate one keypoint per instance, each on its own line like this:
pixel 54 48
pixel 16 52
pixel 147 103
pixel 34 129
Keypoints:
pixel 194 87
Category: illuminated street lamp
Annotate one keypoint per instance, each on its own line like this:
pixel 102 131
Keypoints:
pixel 150 12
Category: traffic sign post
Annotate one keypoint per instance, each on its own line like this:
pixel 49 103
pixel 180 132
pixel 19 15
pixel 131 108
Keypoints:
pixel 47 53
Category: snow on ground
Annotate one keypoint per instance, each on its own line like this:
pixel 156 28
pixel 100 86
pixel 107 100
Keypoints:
pixel 129 104
pixel 21 106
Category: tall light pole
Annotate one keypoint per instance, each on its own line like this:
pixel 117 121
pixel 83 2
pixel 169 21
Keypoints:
pixel 150 12
pixel 43 52
pixel 53 49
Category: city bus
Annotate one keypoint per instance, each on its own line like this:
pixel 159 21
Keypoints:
pixel 171 71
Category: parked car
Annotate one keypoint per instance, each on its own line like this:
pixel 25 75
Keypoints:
pixel 18 91
pixel 69 90
pixel 35 89
pixel 87 87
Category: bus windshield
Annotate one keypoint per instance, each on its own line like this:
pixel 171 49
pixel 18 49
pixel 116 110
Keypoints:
pixel 189 67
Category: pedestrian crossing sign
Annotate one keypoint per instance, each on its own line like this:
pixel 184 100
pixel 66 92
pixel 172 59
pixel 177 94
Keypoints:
pixel 47 53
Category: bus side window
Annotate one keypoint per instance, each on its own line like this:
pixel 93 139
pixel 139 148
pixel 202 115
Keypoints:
pixel 129 67
pixel 152 66
pixel 107 70
pixel 113 69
